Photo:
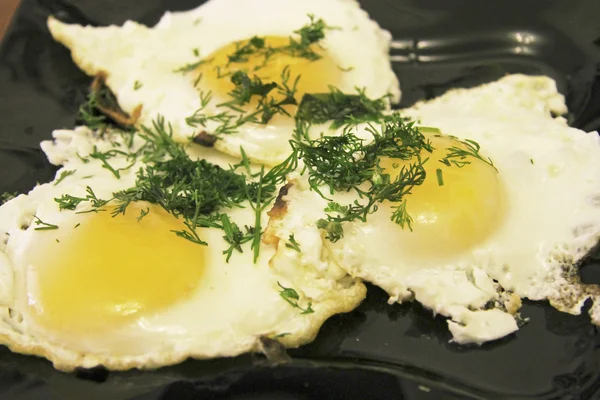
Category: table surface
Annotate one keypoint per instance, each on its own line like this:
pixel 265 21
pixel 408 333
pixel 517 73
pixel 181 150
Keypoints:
pixel 7 9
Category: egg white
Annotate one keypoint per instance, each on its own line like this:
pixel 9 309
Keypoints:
pixel 233 305
pixel 135 53
pixel 551 174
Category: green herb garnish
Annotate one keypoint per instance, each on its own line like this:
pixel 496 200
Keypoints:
pixel 458 157
pixel 344 163
pixel 292 244
pixel 44 225
pixel 292 297
pixel 63 175
pixel 318 108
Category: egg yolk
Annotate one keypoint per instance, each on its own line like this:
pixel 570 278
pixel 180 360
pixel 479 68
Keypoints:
pixel 315 75
pixel 112 270
pixel 456 207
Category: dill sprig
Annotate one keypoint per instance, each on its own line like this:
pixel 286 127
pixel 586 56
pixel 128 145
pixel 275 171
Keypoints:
pixel 345 163
pixel 293 244
pixel 340 108
pixel 45 226
pixel 197 191
pixel 69 202
pixel 65 173
pixel 458 157
pixel 300 46
pixel 292 298
pixel 245 90
pixel 107 155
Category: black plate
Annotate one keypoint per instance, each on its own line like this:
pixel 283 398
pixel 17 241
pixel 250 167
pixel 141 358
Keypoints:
pixel 377 351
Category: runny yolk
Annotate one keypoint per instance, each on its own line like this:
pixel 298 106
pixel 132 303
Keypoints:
pixel 315 75
pixel 111 270
pixel 456 207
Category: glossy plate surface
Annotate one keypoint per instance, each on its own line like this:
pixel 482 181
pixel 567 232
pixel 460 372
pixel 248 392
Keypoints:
pixel 377 351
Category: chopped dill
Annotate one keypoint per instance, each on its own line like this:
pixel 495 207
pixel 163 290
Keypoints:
pixel 458 157
pixel 197 190
pixel 440 177
pixel 137 85
pixel 191 66
pixel 104 157
pixel 68 202
pixel 63 175
pixel 292 298
pixel 335 106
pixel 234 236
pixel 300 46
pixel 344 163
pixel 292 244
pixel 143 213
pixel 45 226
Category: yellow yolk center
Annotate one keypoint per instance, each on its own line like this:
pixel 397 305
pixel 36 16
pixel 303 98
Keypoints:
pixel 456 207
pixel 112 270
pixel 315 75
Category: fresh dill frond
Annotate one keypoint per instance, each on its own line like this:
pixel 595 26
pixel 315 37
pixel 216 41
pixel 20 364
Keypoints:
pixel 292 244
pixel 107 155
pixel 401 217
pixel 300 46
pixel 45 226
pixel 195 190
pixel 245 89
pixel 458 157
pixel 234 236
pixel 190 67
pixel 335 106
pixel 344 163
pixel 243 50
pixel 137 85
pixel 190 234
pixel 309 34
pixel 63 175
pixel 68 202
pixel 292 298
pixel 143 213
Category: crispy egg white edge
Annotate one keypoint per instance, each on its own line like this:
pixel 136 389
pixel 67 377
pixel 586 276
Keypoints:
pixel 125 65
pixel 536 95
pixel 65 150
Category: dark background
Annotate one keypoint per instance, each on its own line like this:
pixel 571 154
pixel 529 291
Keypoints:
pixel 377 351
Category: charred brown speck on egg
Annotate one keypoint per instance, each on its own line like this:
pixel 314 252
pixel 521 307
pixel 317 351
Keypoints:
pixel 277 212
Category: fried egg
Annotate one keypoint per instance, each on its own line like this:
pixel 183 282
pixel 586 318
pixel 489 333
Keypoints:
pixel 508 224
pixel 183 67
pixel 83 288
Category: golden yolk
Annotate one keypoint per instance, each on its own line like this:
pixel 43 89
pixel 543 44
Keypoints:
pixel 315 76
pixel 112 270
pixel 455 212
